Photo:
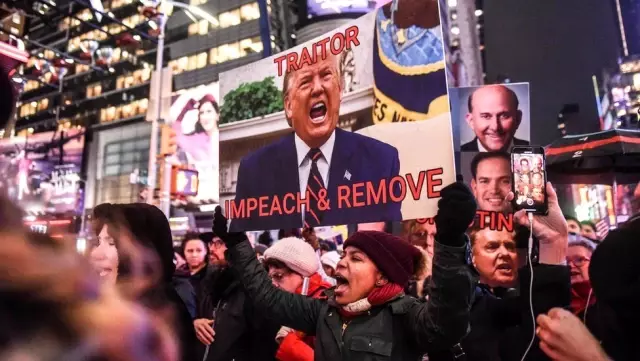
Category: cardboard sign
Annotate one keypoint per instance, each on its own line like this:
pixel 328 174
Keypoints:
pixel 369 132
pixel 489 120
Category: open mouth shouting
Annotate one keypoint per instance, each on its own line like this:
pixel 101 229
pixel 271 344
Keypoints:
pixel 342 285
pixel 505 269
pixel 318 112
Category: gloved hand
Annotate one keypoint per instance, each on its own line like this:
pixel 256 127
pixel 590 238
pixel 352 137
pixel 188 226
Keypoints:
pixel 220 230
pixel 456 211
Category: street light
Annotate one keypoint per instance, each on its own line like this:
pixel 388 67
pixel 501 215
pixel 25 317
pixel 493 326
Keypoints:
pixel 161 10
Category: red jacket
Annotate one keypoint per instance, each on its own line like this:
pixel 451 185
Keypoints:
pixel 296 346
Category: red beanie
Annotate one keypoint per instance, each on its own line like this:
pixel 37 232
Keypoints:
pixel 394 257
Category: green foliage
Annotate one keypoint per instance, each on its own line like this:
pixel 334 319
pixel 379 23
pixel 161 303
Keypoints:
pixel 251 100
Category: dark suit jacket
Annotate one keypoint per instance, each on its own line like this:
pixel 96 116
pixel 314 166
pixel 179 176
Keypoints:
pixel 273 170
pixel 472 146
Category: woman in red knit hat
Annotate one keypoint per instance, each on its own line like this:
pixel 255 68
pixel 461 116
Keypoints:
pixel 368 316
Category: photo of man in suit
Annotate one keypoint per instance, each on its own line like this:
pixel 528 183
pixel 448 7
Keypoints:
pixel 491 180
pixel 494 117
pixel 316 158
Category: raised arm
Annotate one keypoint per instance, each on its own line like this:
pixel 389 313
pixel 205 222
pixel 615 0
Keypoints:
pixel 291 310
pixel 442 321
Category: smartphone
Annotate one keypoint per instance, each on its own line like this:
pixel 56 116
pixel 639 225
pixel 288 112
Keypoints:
pixel 529 179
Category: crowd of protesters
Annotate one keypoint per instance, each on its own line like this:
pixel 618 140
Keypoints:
pixel 440 290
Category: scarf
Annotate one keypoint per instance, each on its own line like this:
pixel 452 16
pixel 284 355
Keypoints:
pixel 379 296
pixel 580 296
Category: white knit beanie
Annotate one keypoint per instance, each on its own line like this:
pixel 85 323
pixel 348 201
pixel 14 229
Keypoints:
pixel 330 259
pixel 296 254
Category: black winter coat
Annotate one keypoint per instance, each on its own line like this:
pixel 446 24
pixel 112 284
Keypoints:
pixel 501 327
pixel 403 329
pixel 241 333
pixel 186 292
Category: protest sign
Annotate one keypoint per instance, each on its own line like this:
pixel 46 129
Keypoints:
pixel 370 132
pixel 491 117
pixel 489 120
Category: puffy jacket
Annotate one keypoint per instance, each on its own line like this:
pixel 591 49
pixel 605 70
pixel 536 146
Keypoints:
pixel 297 346
pixel 403 329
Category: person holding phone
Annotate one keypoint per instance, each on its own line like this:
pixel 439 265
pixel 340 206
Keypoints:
pixel 529 189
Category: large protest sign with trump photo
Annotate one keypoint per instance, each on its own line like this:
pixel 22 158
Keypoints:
pixel 363 124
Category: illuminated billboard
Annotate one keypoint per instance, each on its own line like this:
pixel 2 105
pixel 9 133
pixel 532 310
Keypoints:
pixel 194 118
pixel 184 182
pixel 317 8
pixel 41 172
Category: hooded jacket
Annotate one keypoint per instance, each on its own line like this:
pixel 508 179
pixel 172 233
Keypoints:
pixel 151 229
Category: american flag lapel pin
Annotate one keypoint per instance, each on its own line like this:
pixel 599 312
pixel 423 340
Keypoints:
pixel 347 175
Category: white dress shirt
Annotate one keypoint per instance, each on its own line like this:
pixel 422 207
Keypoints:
pixel 304 163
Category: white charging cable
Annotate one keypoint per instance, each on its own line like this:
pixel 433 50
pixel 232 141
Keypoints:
pixel 584 319
pixel 533 316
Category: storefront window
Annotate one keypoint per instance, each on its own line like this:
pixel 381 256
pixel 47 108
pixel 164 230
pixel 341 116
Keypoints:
pixel 175 69
pixel 31 85
pixel 250 12
pixel 250 46
pixel 124 111
pixel 183 63
pixel 202 60
pixel 203 27
pixel 217 55
pixel 229 18
pixel 193 63
pixel 82 68
pixel 213 56
pixel 193 29
pixel 94 90
pixel 120 159
pixel 119 3
pixel 32 108
pixel 64 24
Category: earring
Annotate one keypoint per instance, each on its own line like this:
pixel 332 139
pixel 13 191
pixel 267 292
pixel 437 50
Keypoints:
pixel 378 283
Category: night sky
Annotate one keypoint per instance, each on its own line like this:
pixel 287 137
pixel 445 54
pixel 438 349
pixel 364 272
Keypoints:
pixel 556 46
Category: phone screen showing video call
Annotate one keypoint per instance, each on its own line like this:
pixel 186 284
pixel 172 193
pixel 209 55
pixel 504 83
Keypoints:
pixel 529 179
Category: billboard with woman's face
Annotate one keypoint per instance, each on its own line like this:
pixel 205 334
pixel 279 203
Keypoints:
pixel 195 119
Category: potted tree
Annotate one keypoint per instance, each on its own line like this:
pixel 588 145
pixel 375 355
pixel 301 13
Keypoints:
pixel 251 100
